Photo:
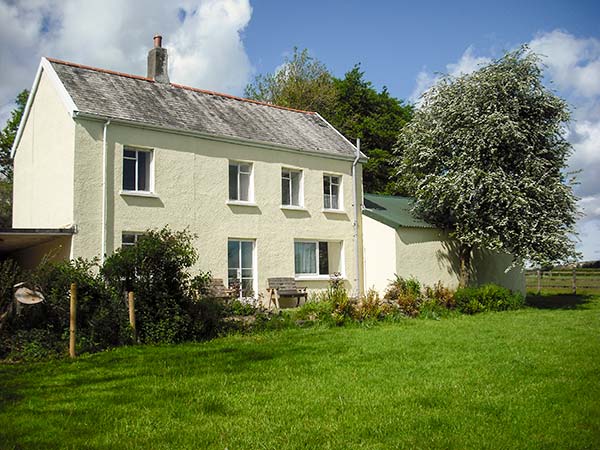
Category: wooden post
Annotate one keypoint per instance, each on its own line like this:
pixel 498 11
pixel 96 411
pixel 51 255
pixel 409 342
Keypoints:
pixel 73 320
pixel 574 281
pixel 131 302
pixel 539 281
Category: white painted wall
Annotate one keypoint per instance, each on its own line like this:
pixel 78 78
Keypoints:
pixel 428 255
pixel 191 183
pixel 43 165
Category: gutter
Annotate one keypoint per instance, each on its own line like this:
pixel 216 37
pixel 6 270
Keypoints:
pixel 356 213
pixel 104 190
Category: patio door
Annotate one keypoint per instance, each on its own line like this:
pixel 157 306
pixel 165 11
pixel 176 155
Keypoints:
pixel 240 262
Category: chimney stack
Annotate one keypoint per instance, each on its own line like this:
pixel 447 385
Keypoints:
pixel 158 62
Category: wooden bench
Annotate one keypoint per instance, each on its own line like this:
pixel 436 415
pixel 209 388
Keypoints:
pixel 217 289
pixel 284 288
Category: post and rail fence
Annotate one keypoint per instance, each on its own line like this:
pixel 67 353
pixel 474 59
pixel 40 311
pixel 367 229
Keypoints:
pixel 576 280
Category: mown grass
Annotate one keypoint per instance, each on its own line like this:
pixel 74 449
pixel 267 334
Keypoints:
pixel 520 379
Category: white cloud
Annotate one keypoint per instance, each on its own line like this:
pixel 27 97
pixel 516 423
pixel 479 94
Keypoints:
pixel 205 48
pixel 572 69
pixel 573 63
pixel 466 64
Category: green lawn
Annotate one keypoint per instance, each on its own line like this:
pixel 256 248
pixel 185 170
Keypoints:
pixel 524 379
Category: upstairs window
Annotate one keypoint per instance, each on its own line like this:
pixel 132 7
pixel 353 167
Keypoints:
pixel 136 170
pixel 331 192
pixel 240 181
pixel 291 185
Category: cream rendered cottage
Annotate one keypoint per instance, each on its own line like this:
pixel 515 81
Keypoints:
pixel 269 191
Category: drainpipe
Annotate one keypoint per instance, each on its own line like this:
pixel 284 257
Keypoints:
pixel 356 213
pixel 104 189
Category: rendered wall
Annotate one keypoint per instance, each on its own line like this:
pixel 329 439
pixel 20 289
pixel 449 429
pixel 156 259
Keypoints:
pixel 379 242
pixel 428 255
pixel 43 165
pixel 191 183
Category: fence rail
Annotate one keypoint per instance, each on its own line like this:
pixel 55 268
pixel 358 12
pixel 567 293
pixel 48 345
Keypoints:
pixel 564 279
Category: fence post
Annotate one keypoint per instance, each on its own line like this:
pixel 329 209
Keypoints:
pixel 131 302
pixel 73 320
pixel 539 281
pixel 574 281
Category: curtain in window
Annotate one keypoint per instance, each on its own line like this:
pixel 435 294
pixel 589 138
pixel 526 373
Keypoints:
pixel 305 256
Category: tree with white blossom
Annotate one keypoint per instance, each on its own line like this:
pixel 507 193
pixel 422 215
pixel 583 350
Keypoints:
pixel 485 158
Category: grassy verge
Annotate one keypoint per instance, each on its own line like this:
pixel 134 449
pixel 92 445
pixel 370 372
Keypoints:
pixel 520 379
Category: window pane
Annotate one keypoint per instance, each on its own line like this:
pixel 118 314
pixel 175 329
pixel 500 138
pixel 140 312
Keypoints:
pixel 245 168
pixel 305 257
pixel 295 188
pixel 334 196
pixel 246 273
pixel 285 191
pixel 143 166
pixel 129 153
pixel 327 201
pixel 323 258
pixel 247 290
pixel 326 185
pixel 244 187
pixel 127 239
pixel 247 254
pixel 233 254
pixel 129 174
pixel 233 182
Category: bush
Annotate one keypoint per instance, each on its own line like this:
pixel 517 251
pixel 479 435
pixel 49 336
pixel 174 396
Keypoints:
pixel 405 294
pixel 43 328
pixel 489 297
pixel 156 269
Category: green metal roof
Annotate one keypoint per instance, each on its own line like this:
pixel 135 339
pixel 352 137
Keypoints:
pixel 393 211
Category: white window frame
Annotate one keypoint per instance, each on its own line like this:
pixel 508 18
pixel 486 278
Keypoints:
pixel 300 204
pixel 150 180
pixel 136 235
pixel 237 201
pixel 317 275
pixel 254 265
pixel 340 192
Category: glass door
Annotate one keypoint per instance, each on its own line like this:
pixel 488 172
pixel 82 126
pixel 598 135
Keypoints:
pixel 240 262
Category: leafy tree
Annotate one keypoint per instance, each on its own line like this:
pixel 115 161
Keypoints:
pixel 351 104
pixel 374 117
pixel 485 156
pixel 301 82
pixel 7 138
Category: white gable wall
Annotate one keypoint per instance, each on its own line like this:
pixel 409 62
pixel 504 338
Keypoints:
pixel 43 166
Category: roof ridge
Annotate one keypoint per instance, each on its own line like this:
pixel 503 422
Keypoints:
pixel 178 86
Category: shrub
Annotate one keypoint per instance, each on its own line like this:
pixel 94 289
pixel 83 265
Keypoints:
pixel 156 269
pixel 405 294
pixel 489 297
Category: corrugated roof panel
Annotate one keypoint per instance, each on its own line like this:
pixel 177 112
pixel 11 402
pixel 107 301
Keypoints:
pixel 393 211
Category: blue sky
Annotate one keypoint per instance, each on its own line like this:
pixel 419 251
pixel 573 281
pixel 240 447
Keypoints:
pixel 222 44
pixel 394 40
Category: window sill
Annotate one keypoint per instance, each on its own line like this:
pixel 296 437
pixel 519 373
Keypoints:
pixel 333 211
pixel 315 278
pixel 293 208
pixel 241 203
pixel 146 194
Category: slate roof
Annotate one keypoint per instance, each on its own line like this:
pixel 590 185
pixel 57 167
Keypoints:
pixel 393 211
pixel 139 99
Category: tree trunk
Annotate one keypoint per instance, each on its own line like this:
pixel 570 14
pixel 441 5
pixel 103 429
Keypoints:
pixel 465 265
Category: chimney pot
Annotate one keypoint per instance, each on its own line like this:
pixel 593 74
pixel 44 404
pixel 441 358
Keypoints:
pixel 157 41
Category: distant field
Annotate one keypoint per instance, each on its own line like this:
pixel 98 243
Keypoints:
pixel 508 380
pixel 561 281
